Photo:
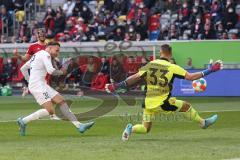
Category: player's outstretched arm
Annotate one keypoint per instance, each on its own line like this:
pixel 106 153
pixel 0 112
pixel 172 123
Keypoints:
pixel 212 67
pixel 112 87
pixel 24 58
pixel 193 76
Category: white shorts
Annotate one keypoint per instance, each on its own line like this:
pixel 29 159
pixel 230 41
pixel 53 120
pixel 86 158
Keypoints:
pixel 43 94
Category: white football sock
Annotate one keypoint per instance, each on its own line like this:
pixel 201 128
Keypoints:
pixel 69 115
pixel 36 115
pixel 76 123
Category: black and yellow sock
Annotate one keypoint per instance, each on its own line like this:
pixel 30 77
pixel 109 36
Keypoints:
pixel 193 115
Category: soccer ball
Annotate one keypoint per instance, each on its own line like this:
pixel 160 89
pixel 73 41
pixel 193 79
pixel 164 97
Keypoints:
pixel 199 85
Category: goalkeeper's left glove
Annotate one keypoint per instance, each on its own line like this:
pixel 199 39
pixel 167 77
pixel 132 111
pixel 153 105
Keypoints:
pixel 213 67
pixel 116 87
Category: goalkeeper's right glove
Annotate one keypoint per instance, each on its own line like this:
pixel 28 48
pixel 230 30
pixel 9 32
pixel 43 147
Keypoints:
pixel 116 87
pixel 213 67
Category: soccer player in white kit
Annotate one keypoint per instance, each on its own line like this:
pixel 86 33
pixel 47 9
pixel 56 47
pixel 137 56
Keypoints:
pixel 40 64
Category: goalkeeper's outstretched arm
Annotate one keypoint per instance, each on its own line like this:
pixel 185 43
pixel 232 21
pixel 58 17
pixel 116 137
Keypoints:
pixel 212 67
pixel 131 80
pixel 193 76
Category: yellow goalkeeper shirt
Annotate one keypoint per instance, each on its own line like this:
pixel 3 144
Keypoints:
pixel 159 75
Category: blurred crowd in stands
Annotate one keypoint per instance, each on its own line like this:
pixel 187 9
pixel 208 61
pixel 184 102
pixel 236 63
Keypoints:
pixel 116 20
pixel 95 72
pixel 136 20
pixel 88 71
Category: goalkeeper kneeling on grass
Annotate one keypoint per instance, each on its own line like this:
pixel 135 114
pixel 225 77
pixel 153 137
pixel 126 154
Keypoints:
pixel 159 76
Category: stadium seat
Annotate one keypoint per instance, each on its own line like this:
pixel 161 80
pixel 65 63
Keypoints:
pixel 139 59
pixel 99 82
pixel 14 60
pixel 110 60
pixel 1 65
pixel 97 61
pixel 83 68
pixel 82 60
pixel 18 77
pixel 60 37
pixel 174 18
pixel 15 65
pixel 20 15
pixel 131 67
pixel 1 59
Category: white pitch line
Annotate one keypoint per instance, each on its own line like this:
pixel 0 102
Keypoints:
pixel 130 115
pixel 12 120
pixel 219 111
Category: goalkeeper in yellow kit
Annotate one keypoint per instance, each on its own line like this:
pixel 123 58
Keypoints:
pixel 159 75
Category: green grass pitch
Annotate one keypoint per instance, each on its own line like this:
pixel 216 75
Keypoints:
pixel 169 139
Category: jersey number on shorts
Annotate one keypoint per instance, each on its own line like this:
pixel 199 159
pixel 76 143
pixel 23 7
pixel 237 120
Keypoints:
pixel 46 95
pixel 153 75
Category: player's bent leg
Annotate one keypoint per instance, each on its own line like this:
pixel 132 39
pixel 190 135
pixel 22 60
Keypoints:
pixel 64 108
pixel 49 107
pixel 185 107
pixel 143 128
pixel 58 99
pixel 192 114
pixel 189 112
pixel 52 93
pixel 181 106
pixel 148 126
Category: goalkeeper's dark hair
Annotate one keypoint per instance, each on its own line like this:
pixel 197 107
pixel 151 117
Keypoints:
pixel 53 43
pixel 166 48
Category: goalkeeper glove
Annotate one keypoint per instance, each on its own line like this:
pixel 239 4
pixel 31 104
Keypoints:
pixel 116 87
pixel 213 67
